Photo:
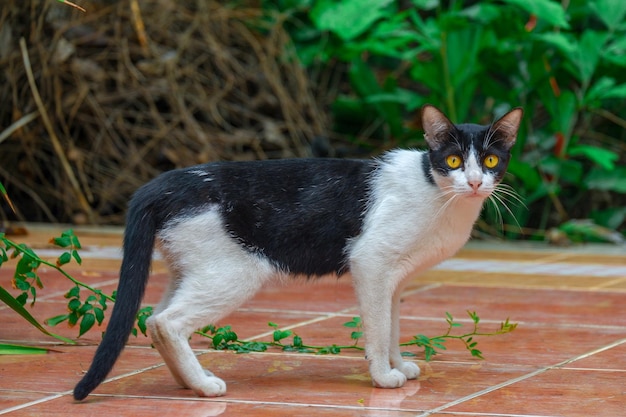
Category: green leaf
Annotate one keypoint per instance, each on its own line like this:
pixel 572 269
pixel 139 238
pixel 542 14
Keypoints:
pixel 609 180
pixel 611 218
pixel 477 353
pixel 8 349
pixel 65 258
pixel 356 335
pixel 425 4
pixel 73 293
pixel 63 241
pixel 611 12
pixel 473 316
pixel 22 298
pixel 74 304
pixel 22 285
pixel 281 334
pixel 365 83
pixel 99 315
pixel 10 301
pixel 600 89
pixel 77 257
pixel 145 312
pixel 355 322
pixel 603 157
pixel 348 18
pixel 53 321
pixel 548 10
pixel 590 48
pixel 252 347
pixel 3 256
pixel 560 41
pixel 586 230
pixel 86 323
pixel 5 195
pixel 526 173
pixel 616 92
pixel 568 170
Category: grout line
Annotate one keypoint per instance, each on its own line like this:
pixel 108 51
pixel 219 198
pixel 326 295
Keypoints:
pixel 591 353
pixel 596 289
pixel 470 414
pixel 226 401
pixel 521 378
pixel 606 285
pixel 31 403
pixel 423 288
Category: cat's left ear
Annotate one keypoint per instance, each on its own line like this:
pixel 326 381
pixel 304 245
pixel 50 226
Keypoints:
pixel 507 126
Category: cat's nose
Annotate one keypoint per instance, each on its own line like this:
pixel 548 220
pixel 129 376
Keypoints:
pixel 475 184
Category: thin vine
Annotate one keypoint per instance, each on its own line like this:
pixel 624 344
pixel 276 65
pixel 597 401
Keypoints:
pixel 91 311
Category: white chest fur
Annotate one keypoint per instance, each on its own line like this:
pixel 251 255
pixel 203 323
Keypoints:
pixel 412 224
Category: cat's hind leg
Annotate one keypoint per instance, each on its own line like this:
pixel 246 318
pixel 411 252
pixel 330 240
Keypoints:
pixel 200 299
pixel 213 276
pixel 170 331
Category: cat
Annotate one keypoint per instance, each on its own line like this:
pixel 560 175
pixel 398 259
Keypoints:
pixel 226 229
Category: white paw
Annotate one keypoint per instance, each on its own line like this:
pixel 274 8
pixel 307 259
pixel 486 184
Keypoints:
pixel 212 386
pixel 391 379
pixel 207 372
pixel 409 369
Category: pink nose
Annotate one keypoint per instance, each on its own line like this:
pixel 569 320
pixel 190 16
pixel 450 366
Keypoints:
pixel 475 184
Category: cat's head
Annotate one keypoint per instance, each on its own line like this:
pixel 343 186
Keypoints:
pixel 468 159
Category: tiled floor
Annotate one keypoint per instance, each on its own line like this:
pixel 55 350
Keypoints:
pixel 567 357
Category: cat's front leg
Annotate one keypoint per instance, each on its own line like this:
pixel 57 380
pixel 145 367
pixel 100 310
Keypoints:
pixel 409 369
pixel 375 299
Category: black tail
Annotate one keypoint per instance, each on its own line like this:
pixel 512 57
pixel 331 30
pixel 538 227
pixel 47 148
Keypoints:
pixel 138 246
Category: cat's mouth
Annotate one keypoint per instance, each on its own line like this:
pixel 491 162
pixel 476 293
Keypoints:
pixel 477 192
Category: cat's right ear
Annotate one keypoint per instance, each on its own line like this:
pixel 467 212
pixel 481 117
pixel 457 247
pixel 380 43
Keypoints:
pixel 436 125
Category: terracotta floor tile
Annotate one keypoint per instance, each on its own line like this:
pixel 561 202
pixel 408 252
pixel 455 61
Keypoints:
pixel 317 295
pixel 611 359
pixel 58 372
pixel 513 280
pixel 556 392
pixel 297 379
pixel 11 398
pixel 547 306
pixel 167 407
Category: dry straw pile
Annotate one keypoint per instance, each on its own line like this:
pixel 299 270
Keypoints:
pixel 95 104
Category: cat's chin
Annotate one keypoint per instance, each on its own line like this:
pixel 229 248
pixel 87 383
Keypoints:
pixel 477 194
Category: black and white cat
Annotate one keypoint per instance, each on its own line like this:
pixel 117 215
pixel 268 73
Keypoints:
pixel 228 228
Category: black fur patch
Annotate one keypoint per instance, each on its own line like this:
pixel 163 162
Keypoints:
pixel 299 213
pixel 426 168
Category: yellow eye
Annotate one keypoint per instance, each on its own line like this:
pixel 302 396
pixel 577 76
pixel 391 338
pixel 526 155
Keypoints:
pixel 453 161
pixel 491 161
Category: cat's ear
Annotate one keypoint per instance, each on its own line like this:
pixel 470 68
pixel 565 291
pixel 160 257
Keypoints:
pixel 436 125
pixel 507 126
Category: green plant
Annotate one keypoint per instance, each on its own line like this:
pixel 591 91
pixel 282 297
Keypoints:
pixel 562 61
pixel 27 280
pixel 224 338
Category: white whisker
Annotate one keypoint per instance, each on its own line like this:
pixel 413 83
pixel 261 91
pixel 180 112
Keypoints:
pixel 502 202
pixel 499 217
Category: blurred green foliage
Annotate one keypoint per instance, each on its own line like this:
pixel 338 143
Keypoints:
pixel 563 62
